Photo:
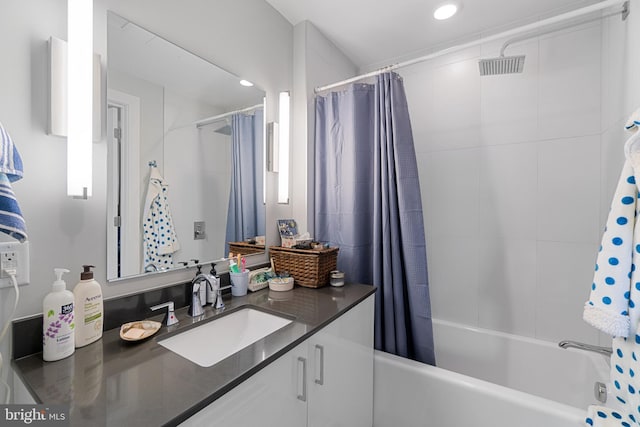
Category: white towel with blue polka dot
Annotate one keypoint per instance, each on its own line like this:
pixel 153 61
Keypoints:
pixel 634 121
pixel 11 170
pixel 624 410
pixel 601 416
pixel 613 306
pixel 160 240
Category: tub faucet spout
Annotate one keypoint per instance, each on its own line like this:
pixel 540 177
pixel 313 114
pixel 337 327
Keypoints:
pixel 587 347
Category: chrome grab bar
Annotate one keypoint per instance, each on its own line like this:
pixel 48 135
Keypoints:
pixel 587 347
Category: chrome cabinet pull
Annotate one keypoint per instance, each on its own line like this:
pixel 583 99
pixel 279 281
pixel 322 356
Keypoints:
pixel 320 381
pixel 303 396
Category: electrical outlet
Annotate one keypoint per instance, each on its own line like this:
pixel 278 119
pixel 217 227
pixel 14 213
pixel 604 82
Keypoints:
pixel 8 261
pixel 14 255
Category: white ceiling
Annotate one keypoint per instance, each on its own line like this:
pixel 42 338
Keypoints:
pixel 379 32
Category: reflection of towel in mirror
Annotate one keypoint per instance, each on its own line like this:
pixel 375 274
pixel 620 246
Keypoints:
pixel 159 240
pixel 11 220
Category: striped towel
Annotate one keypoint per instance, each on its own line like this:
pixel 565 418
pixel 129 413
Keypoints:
pixel 11 220
pixel 10 160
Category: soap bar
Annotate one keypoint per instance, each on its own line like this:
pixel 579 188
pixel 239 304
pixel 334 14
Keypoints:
pixel 134 333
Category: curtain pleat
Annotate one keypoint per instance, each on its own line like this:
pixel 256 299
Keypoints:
pixel 368 202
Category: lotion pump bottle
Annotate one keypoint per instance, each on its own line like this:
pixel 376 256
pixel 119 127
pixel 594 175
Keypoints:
pixel 58 340
pixel 89 308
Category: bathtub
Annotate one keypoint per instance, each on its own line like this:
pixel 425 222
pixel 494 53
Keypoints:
pixel 486 379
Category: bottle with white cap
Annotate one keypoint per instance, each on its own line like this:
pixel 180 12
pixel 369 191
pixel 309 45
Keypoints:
pixel 58 323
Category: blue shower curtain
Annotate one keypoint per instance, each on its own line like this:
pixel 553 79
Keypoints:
pixel 246 213
pixel 367 199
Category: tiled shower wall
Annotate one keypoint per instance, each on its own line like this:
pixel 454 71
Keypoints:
pixel 517 173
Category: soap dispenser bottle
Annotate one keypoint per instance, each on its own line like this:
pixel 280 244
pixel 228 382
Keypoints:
pixel 89 308
pixel 58 340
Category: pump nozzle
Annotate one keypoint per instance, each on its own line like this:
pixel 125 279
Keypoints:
pixel 59 272
pixel 86 272
pixel 59 284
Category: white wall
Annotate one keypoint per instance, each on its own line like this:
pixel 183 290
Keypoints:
pixel 248 38
pixel 190 154
pixel 517 173
pixel 317 61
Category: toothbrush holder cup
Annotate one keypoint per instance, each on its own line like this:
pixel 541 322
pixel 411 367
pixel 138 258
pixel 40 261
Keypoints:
pixel 239 283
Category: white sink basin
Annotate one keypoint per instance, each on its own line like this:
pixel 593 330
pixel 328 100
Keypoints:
pixel 218 339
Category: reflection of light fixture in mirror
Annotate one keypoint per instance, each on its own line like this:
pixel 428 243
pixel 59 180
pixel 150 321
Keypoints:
pixel 283 148
pixel 246 83
pixel 79 97
pixel 264 151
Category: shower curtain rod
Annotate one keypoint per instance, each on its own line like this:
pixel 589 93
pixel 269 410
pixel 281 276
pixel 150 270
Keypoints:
pixel 213 119
pixel 509 33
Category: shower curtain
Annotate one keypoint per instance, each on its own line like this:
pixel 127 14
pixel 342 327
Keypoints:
pixel 246 213
pixel 367 198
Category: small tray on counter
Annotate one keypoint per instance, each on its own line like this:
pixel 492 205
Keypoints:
pixel 139 330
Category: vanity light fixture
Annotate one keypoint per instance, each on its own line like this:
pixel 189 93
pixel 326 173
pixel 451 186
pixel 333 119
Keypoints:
pixel 246 83
pixel 79 97
pixel 445 11
pixel 283 147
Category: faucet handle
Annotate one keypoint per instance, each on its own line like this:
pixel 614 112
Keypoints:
pixel 170 318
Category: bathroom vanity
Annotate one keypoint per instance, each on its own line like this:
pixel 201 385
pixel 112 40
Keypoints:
pixel 316 370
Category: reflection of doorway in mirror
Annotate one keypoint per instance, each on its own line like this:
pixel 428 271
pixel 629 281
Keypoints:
pixel 123 231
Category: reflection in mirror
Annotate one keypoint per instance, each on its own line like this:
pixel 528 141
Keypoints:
pixel 185 156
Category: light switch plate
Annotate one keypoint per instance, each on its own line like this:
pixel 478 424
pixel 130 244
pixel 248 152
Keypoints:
pixel 199 232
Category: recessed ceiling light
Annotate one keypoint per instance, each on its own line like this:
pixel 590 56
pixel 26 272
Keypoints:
pixel 246 83
pixel 445 11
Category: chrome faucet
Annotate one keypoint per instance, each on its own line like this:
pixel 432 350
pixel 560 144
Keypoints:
pixel 587 347
pixel 219 303
pixel 215 289
pixel 170 317
pixel 196 309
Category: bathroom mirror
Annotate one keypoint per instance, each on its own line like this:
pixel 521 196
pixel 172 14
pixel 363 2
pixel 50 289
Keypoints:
pixel 185 145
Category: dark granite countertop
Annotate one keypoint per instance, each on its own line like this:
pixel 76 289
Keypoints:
pixel 116 383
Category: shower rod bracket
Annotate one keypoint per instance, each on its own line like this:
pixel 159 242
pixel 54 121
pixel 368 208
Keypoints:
pixel 625 10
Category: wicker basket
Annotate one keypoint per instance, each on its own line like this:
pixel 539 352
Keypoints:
pixel 309 267
pixel 244 248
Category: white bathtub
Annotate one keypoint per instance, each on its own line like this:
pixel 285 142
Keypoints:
pixel 501 380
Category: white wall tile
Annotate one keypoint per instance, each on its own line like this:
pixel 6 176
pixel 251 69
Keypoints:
pixel 449 186
pixel 569 189
pixel 517 180
pixel 508 181
pixel 565 274
pixel 570 74
pixel 453 114
pixel 453 279
pixel 614 69
pixel 509 103
pixel 418 83
pixel 612 161
pixel 507 285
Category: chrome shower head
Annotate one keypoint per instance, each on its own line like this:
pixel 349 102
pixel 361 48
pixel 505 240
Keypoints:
pixel 225 130
pixel 501 65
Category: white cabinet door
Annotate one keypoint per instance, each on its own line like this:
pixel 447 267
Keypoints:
pixel 325 381
pixel 267 399
pixel 340 379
